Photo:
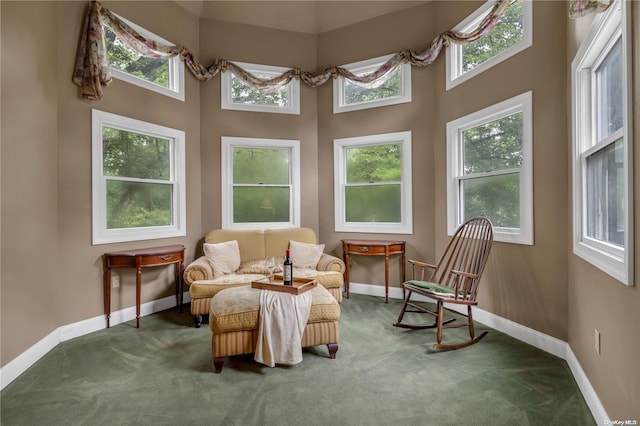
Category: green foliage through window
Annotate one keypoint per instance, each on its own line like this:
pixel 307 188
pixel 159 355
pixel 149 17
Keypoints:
pixel 121 57
pixel 373 192
pixel 490 148
pixel 494 146
pixel 508 31
pixel 242 93
pixel 261 185
pixel 386 86
pixel 136 162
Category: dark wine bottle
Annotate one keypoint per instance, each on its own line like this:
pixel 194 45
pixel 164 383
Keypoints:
pixel 287 270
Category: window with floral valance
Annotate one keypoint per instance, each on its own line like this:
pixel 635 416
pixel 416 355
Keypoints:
pixel 91 71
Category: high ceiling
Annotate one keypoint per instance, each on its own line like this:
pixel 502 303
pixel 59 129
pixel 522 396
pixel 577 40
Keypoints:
pixel 305 16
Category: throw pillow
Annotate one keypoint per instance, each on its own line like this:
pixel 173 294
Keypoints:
pixel 223 257
pixel 305 255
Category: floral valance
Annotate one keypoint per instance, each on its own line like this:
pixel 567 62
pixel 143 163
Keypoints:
pixel 91 70
pixel 578 8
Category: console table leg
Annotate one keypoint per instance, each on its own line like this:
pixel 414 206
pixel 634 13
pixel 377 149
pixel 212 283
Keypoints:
pixel 107 294
pixel 138 291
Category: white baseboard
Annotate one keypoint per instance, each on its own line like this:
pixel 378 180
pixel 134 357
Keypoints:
pixel 547 343
pixel 19 364
pixel 589 394
pixel 22 362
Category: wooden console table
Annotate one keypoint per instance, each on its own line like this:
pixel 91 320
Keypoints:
pixel 142 258
pixel 373 248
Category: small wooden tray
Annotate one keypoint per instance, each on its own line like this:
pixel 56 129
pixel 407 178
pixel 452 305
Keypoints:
pixel 299 285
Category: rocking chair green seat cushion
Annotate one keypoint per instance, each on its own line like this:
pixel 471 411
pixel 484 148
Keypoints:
pixel 432 287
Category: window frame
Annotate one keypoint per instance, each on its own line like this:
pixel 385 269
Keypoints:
pixel 339 149
pixel 100 233
pixel 176 87
pixel 454 72
pixel 455 150
pixel 226 84
pixel 226 172
pixel 367 66
pixel 605 30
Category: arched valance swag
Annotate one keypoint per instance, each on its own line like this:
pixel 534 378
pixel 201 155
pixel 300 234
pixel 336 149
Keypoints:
pixel 92 72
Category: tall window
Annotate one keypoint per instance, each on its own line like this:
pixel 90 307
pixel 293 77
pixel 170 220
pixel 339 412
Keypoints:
pixel 138 180
pixel 372 184
pixel 260 183
pixel 489 169
pixel 602 176
pixel 238 95
pixel 512 34
pixel 392 88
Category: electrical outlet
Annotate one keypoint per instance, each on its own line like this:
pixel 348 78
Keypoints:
pixel 115 280
pixel 597 340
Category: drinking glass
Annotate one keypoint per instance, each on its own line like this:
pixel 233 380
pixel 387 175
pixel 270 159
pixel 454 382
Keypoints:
pixel 271 264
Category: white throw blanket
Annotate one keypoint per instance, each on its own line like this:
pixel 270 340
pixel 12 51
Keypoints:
pixel 283 317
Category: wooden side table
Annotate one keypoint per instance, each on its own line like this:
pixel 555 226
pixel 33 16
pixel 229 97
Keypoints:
pixel 142 258
pixel 373 248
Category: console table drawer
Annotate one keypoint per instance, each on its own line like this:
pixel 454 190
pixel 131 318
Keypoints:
pixel 162 259
pixel 354 249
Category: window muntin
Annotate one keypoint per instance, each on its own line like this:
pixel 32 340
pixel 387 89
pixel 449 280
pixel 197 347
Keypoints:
pixel 162 75
pixel 512 34
pixel 373 183
pixel 392 88
pixel 260 183
pixel 602 176
pixel 238 95
pixel 489 169
pixel 138 180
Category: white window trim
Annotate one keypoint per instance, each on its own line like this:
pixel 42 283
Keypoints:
pixel 176 69
pixel 521 103
pixel 364 67
pixel 226 206
pixel 102 235
pixel 339 148
pixel 226 92
pixel 606 27
pixel 455 75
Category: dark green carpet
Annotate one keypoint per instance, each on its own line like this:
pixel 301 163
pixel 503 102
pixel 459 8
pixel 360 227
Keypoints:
pixel 162 374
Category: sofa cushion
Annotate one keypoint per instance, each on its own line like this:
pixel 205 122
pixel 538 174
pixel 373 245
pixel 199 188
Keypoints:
pixel 208 288
pixel 237 309
pixel 255 266
pixel 328 279
pixel 224 257
pixel 305 255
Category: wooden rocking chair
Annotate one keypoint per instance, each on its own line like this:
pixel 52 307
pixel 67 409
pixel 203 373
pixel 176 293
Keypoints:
pixel 453 281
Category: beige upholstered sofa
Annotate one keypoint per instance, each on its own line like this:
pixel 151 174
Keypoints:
pixel 254 246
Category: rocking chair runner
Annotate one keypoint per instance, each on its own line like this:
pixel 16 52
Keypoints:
pixel 454 280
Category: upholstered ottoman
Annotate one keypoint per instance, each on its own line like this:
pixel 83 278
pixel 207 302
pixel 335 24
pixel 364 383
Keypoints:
pixel 234 322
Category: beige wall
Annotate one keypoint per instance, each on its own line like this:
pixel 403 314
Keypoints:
pixel 46 173
pixel 29 176
pixel 597 301
pixel 52 275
